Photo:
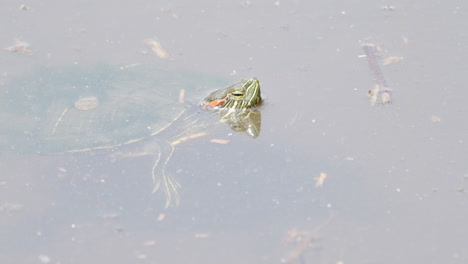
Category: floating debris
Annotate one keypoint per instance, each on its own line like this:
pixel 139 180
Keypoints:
pixel 320 179
pixel 87 103
pixel 10 207
pixel 246 3
pixel 139 255
pixel 388 8
pixel 171 12
pixel 381 90
pixel 219 141
pixel 21 47
pixel 128 66
pixel 405 40
pixel 201 235
pixel 149 243
pixel 182 96
pixel 44 258
pixel 157 48
pixel 110 216
pixel 61 172
pixel 24 7
pixel 391 59
pixel 161 217
pixel 435 119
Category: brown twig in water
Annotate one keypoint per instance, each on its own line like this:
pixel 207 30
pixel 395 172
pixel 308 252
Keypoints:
pixel 381 89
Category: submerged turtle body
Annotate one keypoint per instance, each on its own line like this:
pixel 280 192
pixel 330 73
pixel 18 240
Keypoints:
pixel 77 108
pixel 81 109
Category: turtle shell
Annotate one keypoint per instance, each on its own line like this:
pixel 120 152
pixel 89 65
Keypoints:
pixel 78 108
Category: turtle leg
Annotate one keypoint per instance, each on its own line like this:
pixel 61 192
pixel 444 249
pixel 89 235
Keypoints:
pixel 169 185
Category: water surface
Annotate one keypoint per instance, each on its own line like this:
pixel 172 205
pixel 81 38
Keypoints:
pixel 394 191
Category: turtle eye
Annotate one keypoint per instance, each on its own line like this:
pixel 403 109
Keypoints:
pixel 238 93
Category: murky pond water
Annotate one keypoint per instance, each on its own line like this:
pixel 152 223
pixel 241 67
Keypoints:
pixel 330 179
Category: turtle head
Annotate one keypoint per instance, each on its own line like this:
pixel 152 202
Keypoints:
pixel 240 96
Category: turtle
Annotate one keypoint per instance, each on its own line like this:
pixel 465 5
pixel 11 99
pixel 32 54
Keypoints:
pixel 132 110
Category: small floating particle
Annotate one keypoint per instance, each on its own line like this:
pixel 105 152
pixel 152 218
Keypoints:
pixel 405 40
pixel 87 103
pixel 157 48
pixel 246 3
pixel 10 207
pixel 386 97
pixel 181 96
pixel 388 8
pixel 149 243
pixel 140 255
pixel 20 47
pixel 373 94
pixel 320 179
pixel 201 235
pixel 61 172
pixel 110 216
pixel 128 66
pixel 161 217
pixel 291 236
pixel 219 141
pixel 391 59
pixel 171 12
pixel 435 119
pixel 44 258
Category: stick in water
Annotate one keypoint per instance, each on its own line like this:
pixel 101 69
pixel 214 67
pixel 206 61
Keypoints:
pixel 381 89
